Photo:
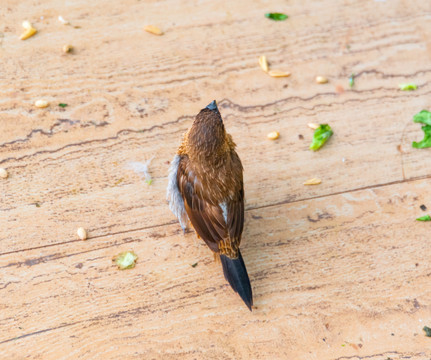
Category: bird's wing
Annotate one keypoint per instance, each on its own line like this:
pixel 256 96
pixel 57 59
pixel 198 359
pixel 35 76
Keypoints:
pixel 220 234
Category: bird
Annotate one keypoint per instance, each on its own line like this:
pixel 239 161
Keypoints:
pixel 205 189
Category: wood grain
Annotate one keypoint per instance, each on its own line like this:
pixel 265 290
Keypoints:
pixel 339 270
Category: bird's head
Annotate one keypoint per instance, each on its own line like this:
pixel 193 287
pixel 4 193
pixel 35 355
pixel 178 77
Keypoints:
pixel 207 136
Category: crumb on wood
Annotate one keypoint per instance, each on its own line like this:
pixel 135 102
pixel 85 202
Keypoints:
pixel 119 181
pixel 339 89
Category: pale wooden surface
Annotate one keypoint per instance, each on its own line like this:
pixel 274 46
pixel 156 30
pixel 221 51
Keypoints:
pixel 339 271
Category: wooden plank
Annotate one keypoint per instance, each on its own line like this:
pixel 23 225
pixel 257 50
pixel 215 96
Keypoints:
pixel 89 183
pixel 335 277
pixel 72 161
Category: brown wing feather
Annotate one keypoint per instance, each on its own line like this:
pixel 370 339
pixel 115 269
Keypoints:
pixel 206 216
pixel 236 216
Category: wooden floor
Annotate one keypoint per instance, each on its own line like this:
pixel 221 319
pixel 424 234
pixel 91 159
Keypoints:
pixel 340 270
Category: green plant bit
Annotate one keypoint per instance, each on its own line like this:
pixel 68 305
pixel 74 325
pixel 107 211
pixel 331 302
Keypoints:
pixel 408 87
pixel 62 105
pixel 321 136
pixel 424 218
pixel 352 80
pixel 423 117
pixel 125 260
pixel 276 16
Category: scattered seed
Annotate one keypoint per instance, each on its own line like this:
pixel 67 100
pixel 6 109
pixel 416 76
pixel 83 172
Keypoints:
pixel 64 22
pixel 27 25
pixel 423 207
pixel 3 173
pixel 273 135
pixel 301 137
pixel 313 181
pixel 313 126
pixel 67 48
pixel 29 30
pixel 354 346
pixel 82 233
pixel 153 30
pixel 278 73
pixel 321 80
pixel 263 63
pixel 41 104
pixel 194 265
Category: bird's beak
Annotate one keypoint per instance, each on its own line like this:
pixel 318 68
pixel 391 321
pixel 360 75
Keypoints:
pixel 212 106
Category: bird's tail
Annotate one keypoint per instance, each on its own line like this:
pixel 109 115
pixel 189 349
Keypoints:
pixel 236 274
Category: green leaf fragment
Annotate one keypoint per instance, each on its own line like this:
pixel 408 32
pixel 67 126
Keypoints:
pixel 276 16
pixel 423 117
pixel 427 331
pixel 426 141
pixel 424 218
pixel 408 87
pixel 321 136
pixel 125 260
pixel 352 80
pixel 149 182
pixel 63 105
pixel 194 265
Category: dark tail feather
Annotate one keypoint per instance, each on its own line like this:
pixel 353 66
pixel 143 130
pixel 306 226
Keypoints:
pixel 236 274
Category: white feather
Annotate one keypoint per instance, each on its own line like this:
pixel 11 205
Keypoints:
pixel 224 209
pixel 173 195
pixel 141 169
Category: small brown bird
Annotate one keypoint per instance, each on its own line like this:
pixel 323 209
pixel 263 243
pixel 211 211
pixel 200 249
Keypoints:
pixel 206 188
